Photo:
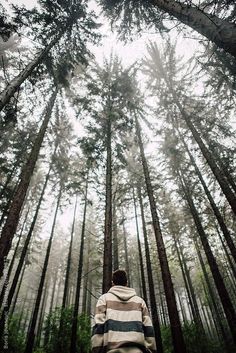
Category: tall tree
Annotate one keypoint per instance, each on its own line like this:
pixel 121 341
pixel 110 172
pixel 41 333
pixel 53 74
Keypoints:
pixel 59 20
pixel 111 87
pixel 152 294
pixel 134 13
pixel 31 333
pixel 11 223
pixel 158 72
pixel 177 334
pixel 73 339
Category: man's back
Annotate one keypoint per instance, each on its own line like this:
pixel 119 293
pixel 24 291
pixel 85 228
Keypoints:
pixel 122 323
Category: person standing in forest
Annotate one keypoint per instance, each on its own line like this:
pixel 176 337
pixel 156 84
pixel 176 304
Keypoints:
pixel 122 321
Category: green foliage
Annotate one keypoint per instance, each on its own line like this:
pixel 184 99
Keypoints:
pixel 194 342
pixel 133 15
pixel 16 337
pixel 71 23
pixel 53 338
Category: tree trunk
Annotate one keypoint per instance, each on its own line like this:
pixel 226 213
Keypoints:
pixel 79 276
pixel 86 278
pixel 177 335
pixel 27 242
pixel 187 282
pixel 65 293
pixel 125 248
pixel 18 290
pixel 15 84
pixel 222 165
pixel 219 175
pixel 218 280
pixel 215 209
pixel 6 280
pixel 66 286
pixel 152 294
pixel 107 257
pixel 19 196
pixel 143 281
pixel 115 237
pixel 220 32
pixel 31 332
pixel 212 299
pixel 41 316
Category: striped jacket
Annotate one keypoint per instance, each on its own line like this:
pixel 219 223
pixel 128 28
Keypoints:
pixel 122 323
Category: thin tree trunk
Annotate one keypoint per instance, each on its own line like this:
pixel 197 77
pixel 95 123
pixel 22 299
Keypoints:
pixel 144 289
pixel 218 173
pixel 220 32
pixel 68 266
pixel 6 280
pixel 19 196
pixel 182 309
pixel 31 333
pixel 115 237
pixel 27 242
pixel 152 294
pixel 223 167
pixel 125 248
pixel 79 276
pixel 16 82
pixel 107 257
pixel 89 300
pixel 53 292
pixel 188 283
pixel 218 280
pixel 230 261
pixel 19 324
pixel 66 286
pixel 16 164
pixel 212 300
pixel 86 278
pixel 18 290
pixel 41 316
pixel 215 209
pixel 177 334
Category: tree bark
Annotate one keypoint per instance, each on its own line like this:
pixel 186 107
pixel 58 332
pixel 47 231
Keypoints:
pixel 217 30
pixel 152 294
pixel 31 333
pixel 107 257
pixel 79 276
pixel 219 175
pixel 6 280
pixel 177 334
pixel 14 85
pixel 65 293
pixel 11 223
pixel 215 209
pixel 115 237
pixel 27 242
pixel 212 300
pixel 143 281
pixel 218 280
pixel 125 248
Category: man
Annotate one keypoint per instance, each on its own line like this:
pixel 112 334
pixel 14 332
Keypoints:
pixel 122 321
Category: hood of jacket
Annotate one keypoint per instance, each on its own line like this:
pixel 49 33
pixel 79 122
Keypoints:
pixel 122 292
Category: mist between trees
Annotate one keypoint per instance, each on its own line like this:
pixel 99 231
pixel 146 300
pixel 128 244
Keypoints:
pixel 126 162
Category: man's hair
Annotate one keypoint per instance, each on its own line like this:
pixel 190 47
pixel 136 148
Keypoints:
pixel 119 278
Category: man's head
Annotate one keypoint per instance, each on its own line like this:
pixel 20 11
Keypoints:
pixel 119 278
